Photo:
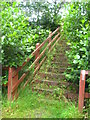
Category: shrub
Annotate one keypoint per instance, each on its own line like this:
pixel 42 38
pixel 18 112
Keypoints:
pixel 18 38
pixel 76 28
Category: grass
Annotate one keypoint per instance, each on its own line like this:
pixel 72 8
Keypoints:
pixel 35 105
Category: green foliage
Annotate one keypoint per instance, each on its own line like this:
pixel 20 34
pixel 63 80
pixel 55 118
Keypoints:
pixel 45 14
pixel 18 38
pixel 50 18
pixel 76 28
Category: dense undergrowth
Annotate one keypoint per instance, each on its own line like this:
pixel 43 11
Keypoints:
pixel 76 28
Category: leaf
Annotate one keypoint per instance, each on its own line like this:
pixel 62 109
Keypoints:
pixel 77 57
pixel 75 61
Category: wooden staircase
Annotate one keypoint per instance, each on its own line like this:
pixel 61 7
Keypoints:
pixel 50 78
pixel 46 73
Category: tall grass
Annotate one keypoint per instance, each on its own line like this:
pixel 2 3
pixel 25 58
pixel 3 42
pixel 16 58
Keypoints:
pixel 35 105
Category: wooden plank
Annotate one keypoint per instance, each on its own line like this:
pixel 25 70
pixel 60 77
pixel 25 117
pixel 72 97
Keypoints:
pixel 54 83
pixel 54 39
pixel 34 72
pixel 55 43
pixel 10 83
pixel 38 67
pixel 87 95
pixel 41 89
pixel 19 81
pixel 14 81
pixel 27 81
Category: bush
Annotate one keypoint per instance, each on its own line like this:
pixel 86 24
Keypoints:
pixel 76 28
pixel 18 38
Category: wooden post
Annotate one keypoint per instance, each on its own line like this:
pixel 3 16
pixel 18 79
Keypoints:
pixel 81 91
pixel 37 54
pixel 50 39
pixel 11 82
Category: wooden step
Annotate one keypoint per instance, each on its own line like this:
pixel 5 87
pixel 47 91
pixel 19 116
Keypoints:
pixel 46 81
pixel 60 64
pixel 58 70
pixel 52 69
pixel 43 90
pixel 57 54
pixel 51 75
pixel 57 63
pixel 68 95
pixel 62 47
pixel 60 59
pixel 54 66
pixel 53 83
pixel 71 95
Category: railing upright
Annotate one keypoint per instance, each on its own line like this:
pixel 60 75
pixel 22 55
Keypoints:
pixel 82 93
pixel 12 79
pixel 81 90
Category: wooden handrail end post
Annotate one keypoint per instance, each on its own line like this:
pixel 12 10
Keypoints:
pixel 11 82
pixel 81 90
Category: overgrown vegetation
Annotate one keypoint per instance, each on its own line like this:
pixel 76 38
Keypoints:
pixel 19 36
pixel 35 105
pixel 76 29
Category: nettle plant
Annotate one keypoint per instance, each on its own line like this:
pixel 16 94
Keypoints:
pixel 76 28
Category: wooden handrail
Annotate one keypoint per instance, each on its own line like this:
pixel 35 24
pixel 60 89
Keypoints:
pixel 43 51
pixel 14 82
pixel 34 52
pixel 41 62
pixel 24 74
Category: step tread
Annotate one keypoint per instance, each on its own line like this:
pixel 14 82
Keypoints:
pixel 50 73
pixel 52 82
pixel 41 89
pixel 53 70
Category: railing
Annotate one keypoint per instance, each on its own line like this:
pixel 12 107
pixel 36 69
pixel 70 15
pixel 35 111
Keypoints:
pixel 82 93
pixel 14 81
